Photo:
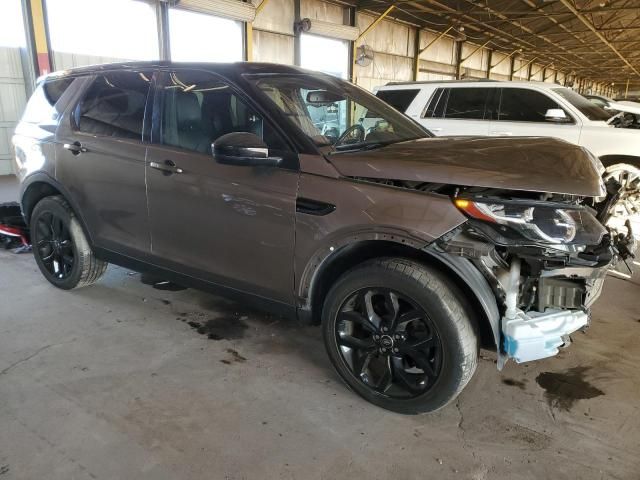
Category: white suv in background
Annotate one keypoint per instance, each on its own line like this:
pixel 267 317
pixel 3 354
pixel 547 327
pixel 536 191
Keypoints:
pixel 493 108
pixel 530 109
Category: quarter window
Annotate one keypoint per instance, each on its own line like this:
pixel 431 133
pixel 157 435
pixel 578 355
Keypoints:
pixel 398 99
pixel 198 108
pixel 466 103
pixel 114 105
pixel 523 105
pixel 436 105
pixel 41 106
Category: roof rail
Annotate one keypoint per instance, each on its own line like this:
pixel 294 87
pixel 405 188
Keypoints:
pixel 426 82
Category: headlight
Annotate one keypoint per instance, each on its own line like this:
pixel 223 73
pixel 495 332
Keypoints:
pixel 537 223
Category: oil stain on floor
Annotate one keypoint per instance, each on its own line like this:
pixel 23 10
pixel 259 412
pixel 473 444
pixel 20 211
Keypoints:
pixel 514 383
pixel 562 390
pixel 221 328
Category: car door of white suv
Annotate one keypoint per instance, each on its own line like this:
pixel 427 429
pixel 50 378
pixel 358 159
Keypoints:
pixel 459 110
pixel 523 112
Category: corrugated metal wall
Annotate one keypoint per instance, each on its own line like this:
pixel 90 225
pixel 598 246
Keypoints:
pixel 12 102
pixel 393 46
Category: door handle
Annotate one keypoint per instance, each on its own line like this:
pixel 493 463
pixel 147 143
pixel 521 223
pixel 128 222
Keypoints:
pixel 167 168
pixel 501 134
pixel 76 148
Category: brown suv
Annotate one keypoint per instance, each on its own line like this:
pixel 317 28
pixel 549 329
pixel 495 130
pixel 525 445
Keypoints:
pixel 312 197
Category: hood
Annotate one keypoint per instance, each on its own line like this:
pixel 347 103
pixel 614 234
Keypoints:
pixel 533 164
pixel 625 106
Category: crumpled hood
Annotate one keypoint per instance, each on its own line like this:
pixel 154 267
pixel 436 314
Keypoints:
pixel 534 164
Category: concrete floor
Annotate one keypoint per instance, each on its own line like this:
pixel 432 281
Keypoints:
pixel 121 381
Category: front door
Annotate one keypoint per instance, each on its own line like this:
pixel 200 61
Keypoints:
pixel 521 112
pixel 228 224
pixel 100 158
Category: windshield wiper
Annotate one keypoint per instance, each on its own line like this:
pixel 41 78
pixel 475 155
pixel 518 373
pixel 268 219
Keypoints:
pixel 356 147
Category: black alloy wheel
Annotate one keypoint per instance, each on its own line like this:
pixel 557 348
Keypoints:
pixel 61 249
pixel 54 245
pixel 389 343
pixel 400 334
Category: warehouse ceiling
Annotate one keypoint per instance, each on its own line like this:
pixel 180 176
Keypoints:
pixel 595 39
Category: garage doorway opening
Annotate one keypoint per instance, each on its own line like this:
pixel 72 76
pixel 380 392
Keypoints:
pixel 87 32
pixel 199 37
pixel 327 55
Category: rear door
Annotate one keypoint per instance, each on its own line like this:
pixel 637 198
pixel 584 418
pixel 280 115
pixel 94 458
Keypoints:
pixel 521 112
pixel 458 111
pixel 227 224
pixel 100 157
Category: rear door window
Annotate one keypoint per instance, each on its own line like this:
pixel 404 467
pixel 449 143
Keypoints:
pixel 398 99
pixel 114 105
pixel 41 106
pixel 524 105
pixel 466 103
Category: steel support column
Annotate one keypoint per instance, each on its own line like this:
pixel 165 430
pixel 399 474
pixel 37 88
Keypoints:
pixel 162 18
pixel 36 19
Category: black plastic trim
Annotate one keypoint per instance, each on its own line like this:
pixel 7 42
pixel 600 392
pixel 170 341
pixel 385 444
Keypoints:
pixel 309 206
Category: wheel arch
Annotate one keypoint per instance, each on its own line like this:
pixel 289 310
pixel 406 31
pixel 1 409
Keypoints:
pixel 40 186
pixel 609 160
pixel 477 292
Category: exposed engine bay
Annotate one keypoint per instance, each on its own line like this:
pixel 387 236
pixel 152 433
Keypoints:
pixel 545 257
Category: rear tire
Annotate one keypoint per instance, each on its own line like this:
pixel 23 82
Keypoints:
pixel 399 335
pixel 60 247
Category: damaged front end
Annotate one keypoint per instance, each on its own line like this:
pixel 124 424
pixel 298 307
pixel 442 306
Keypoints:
pixel 545 257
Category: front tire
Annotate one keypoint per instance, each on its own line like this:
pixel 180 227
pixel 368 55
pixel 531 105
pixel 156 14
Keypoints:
pixel 399 335
pixel 60 247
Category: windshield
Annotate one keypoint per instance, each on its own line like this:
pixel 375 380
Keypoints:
pixel 586 107
pixel 335 113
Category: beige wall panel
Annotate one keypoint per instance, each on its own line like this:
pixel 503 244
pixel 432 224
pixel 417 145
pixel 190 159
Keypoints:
pixel 521 73
pixel 12 102
pixel 384 69
pixel 271 47
pixel 497 76
pixel 387 36
pixel 438 68
pixel 503 67
pixel 326 12
pixel 276 16
pixel 64 60
pixel 477 61
pixel 536 70
pixel 442 51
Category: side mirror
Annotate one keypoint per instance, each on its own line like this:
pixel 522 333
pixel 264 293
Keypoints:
pixel 243 149
pixel 556 115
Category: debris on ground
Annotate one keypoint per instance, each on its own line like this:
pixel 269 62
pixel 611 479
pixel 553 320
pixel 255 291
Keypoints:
pixel 14 233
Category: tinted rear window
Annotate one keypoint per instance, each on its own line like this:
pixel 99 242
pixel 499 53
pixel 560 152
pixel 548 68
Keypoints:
pixel 41 106
pixel 468 103
pixel 588 109
pixel 398 99
pixel 114 105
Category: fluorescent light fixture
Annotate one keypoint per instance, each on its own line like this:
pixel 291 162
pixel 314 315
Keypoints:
pixel 333 30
